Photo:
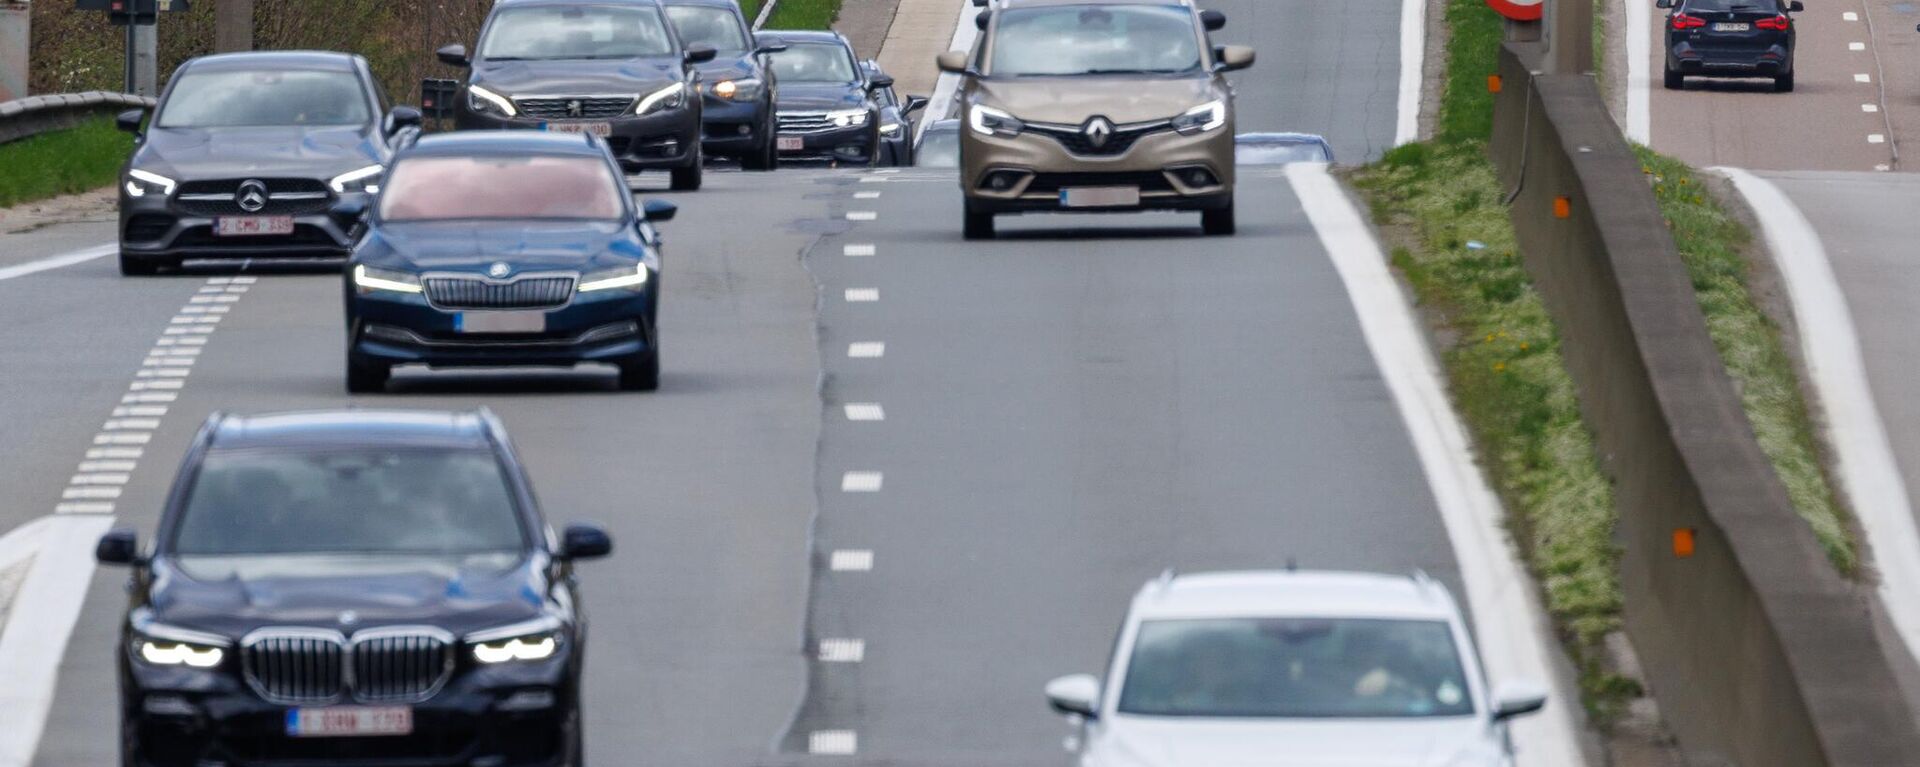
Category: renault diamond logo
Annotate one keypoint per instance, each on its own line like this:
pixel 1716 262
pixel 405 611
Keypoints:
pixel 1098 130
pixel 251 196
pixel 499 270
pixel 575 108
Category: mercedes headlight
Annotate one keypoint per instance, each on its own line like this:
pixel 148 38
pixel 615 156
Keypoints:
pixel 988 121
pixel 743 89
pixel 158 645
pixel 484 101
pixel 537 639
pixel 630 277
pixel 365 179
pixel 140 183
pixel 847 118
pixel 666 98
pixel 367 280
pixel 1203 118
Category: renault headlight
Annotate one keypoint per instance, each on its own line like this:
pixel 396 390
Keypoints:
pixel 629 277
pixel 1203 118
pixel 666 98
pixel 847 118
pixel 743 89
pixel 533 640
pixel 158 645
pixel 988 121
pixel 141 183
pixel 484 101
pixel 367 280
pixel 365 179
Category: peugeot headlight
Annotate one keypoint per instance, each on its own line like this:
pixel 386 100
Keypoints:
pixel 847 118
pixel 484 101
pixel 743 89
pixel 630 277
pixel 536 639
pixel 365 179
pixel 157 645
pixel 1203 118
pixel 368 280
pixel 140 183
pixel 666 98
pixel 988 121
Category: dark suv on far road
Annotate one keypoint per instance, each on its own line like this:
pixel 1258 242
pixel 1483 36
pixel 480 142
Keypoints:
pixel 1730 38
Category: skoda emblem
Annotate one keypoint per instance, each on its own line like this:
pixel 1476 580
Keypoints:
pixel 1098 130
pixel 251 196
pixel 575 108
pixel 349 618
pixel 499 270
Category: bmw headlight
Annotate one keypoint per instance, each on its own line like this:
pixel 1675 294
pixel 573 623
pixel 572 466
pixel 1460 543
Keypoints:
pixel 157 645
pixel 365 179
pixel 847 118
pixel 666 98
pixel 629 277
pixel 367 280
pixel 743 89
pixel 1203 118
pixel 537 639
pixel 141 183
pixel 988 121
pixel 485 101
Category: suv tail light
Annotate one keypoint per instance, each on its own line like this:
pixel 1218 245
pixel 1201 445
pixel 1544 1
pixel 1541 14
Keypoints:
pixel 1683 21
pixel 1778 23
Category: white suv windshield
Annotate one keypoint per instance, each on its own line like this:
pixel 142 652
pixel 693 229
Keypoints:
pixel 1095 39
pixel 1295 667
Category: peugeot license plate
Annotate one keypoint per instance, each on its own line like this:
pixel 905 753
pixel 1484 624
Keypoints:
pixel 500 322
pixel 597 129
pixel 1099 196
pixel 349 721
pixel 791 143
pixel 1731 26
pixel 248 226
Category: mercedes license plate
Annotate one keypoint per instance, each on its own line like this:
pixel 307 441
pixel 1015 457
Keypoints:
pixel 1731 26
pixel 248 226
pixel 349 721
pixel 597 129
pixel 791 143
pixel 500 322
pixel 1099 196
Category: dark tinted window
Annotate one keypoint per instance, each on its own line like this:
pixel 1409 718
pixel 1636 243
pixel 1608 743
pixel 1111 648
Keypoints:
pixel 1292 667
pixel 707 25
pixel 1095 39
pixel 814 63
pixel 576 32
pixel 1722 6
pixel 369 501
pixel 496 187
pixel 265 98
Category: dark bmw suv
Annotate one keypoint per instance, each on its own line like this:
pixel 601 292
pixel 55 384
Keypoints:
pixel 607 68
pixel 826 105
pixel 348 588
pixel 1730 38
pixel 247 152
pixel 490 248
pixel 736 87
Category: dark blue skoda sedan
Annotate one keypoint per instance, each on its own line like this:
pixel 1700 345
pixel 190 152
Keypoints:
pixel 495 248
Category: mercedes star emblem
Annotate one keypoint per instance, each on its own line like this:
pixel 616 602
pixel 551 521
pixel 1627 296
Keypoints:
pixel 1098 130
pixel 251 196
pixel 575 108
pixel 499 270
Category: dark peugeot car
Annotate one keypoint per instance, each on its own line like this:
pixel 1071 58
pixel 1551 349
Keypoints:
pixel 826 106
pixel 348 588
pixel 246 154
pixel 498 248
pixel 1730 38
pixel 608 68
pixel 736 88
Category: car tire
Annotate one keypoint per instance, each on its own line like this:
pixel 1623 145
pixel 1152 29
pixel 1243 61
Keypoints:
pixel 687 179
pixel 764 158
pixel 1675 80
pixel 367 377
pixel 1783 83
pixel 978 224
pixel 642 372
pixel 576 738
pixel 136 267
pixel 1217 222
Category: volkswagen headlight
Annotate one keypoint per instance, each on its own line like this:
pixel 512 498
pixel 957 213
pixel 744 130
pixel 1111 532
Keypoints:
pixel 743 89
pixel 629 277
pixel 988 121
pixel 141 183
pixel 847 118
pixel 158 645
pixel 485 101
pixel 365 179
pixel 666 98
pixel 1203 118
pixel 533 640
pixel 367 280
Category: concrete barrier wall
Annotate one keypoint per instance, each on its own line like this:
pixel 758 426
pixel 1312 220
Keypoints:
pixel 1757 651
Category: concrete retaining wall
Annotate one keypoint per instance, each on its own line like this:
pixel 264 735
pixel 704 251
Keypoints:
pixel 21 118
pixel 1758 652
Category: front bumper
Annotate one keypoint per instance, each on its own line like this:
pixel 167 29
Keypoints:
pixel 732 128
pixel 1009 174
pixel 1771 61
pixel 405 329
pixel 852 144
pixel 657 141
pixel 164 230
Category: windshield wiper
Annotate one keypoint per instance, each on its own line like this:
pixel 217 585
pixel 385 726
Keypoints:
pixel 1135 71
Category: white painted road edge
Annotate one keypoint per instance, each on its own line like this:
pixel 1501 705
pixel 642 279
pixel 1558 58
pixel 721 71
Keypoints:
pixel 941 104
pixel 1868 473
pixel 55 262
pixel 1639 76
pixel 1413 45
pixel 1516 640
pixel 42 618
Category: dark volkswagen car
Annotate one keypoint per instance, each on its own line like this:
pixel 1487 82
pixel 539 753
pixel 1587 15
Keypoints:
pixel 736 88
pixel 246 154
pixel 494 248
pixel 352 587
pixel 826 106
pixel 607 68
pixel 1730 38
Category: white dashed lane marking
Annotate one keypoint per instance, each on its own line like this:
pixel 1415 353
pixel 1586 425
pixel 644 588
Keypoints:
pixel 865 411
pixel 861 482
pixel 842 650
pixel 91 493
pixel 862 215
pixel 93 466
pixel 123 438
pixel 1863 78
pixel 97 453
pixel 148 396
pixel 149 385
pixel 850 561
pixel 1875 138
pixel 1850 16
pixel 132 424
pixel 866 195
pixel 100 478
pixel 83 507
pixel 1870 108
pixel 857 250
pixel 862 295
pixel 833 742
pixel 866 350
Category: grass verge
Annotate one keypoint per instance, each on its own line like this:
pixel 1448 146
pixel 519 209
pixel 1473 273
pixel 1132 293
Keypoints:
pixel 804 14
pixel 85 157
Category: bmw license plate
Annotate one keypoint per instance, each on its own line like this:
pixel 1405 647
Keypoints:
pixel 597 129
pixel 791 143
pixel 1099 196
pixel 500 322
pixel 1731 26
pixel 249 226
pixel 349 721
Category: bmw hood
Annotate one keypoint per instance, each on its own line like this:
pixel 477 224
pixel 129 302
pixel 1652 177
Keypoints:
pixel 587 77
pixel 1073 100
pixel 193 154
pixel 1449 742
pixel 820 96
pixel 231 596
pixel 534 246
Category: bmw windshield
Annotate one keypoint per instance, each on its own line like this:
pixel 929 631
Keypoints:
pixel 1095 40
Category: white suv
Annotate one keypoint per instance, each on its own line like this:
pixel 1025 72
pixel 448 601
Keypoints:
pixel 1293 668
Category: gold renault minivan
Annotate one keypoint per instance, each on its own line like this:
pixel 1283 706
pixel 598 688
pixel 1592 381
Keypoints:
pixel 1096 106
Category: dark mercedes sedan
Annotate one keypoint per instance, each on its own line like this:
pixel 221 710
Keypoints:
pixel 608 68
pixel 1730 38
pixel 736 87
pixel 247 152
pixel 352 588
pixel 826 106
pixel 492 248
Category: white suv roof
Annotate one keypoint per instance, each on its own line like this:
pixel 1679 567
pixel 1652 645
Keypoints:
pixel 1287 593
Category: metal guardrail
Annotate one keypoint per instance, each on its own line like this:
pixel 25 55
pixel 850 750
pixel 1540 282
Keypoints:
pixel 35 115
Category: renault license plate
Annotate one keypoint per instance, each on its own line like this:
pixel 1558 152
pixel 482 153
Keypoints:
pixel 1099 196
pixel 597 129
pixel 1731 26
pixel 500 322
pixel 250 226
pixel 791 143
pixel 349 721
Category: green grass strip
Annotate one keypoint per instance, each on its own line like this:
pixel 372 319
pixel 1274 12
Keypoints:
pixel 804 14
pixel 69 161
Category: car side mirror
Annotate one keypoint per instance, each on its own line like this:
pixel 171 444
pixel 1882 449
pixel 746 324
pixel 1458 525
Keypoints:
pixel 764 44
pixel 1233 57
pixel 880 82
pixel 1796 6
pixel 402 117
pixel 952 61
pixel 120 546
pixel 659 211
pixel 980 20
pixel 1075 694
pixel 700 54
pixel 979 3
pixel 915 104
pixel 352 208
pixel 129 120
pixel 1517 698
pixel 581 541
pixel 1213 20
pixel 1663 4
pixel 454 55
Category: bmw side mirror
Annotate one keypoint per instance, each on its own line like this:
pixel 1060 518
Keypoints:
pixel 129 120
pixel 915 104
pixel 659 211
pixel 1233 57
pixel 120 546
pixel 952 61
pixel 1075 694
pixel 1517 698
pixel 880 82
pixel 402 117
pixel 1213 20
pixel 352 208
pixel 699 54
pixel 581 541
pixel 454 55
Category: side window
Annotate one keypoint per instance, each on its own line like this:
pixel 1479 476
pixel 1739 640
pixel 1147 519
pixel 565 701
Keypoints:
pixel 380 95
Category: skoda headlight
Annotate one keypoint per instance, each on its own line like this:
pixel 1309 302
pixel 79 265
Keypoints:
pixel 743 89
pixel 157 645
pixel 847 118
pixel 365 179
pixel 483 101
pixel 988 121
pixel 1203 118
pixel 367 280
pixel 666 98
pixel 140 183
pixel 536 639
pixel 630 277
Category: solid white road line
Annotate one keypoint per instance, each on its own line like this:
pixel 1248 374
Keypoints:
pixel 1639 72
pixel 68 259
pixel 833 742
pixel 850 561
pixel 1869 476
pixel 861 482
pixel 21 542
pixel 39 622
pixel 1413 44
pixel 842 650
pixel 1516 641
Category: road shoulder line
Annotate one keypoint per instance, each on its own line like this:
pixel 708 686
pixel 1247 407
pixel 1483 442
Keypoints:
pixel 43 616
pixel 55 262
pixel 1639 75
pixel 1413 59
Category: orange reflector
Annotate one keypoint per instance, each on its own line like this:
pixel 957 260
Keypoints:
pixel 1493 83
pixel 1683 542
pixel 1563 207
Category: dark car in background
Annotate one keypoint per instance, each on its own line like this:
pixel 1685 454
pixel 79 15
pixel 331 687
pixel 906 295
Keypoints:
pixel 736 88
pixel 825 104
pixel 246 154
pixel 348 588
pixel 608 68
pixel 896 117
pixel 1281 148
pixel 939 145
pixel 1730 38
pixel 493 248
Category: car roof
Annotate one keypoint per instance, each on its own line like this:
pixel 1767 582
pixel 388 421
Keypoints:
pixel 711 3
pixel 249 60
pixel 517 3
pixel 506 142
pixel 1289 593
pixel 1031 3
pixel 807 36
pixel 352 428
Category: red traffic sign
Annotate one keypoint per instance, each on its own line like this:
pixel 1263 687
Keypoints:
pixel 1518 10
